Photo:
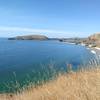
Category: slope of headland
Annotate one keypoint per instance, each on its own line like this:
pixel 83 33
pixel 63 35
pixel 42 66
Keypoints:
pixel 93 40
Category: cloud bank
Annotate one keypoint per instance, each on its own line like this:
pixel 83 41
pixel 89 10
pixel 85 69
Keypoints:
pixel 13 31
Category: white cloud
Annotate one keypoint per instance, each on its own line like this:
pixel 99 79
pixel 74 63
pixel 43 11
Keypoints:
pixel 16 29
pixel 13 31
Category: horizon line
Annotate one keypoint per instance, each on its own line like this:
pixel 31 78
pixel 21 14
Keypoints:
pixel 27 31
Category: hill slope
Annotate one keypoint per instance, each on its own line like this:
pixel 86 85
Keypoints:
pixel 96 39
pixel 83 85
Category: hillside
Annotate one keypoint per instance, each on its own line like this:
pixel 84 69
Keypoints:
pixel 93 40
pixel 29 37
pixel 82 85
pixel 96 36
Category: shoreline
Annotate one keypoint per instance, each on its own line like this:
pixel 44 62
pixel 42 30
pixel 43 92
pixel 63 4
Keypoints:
pixel 95 50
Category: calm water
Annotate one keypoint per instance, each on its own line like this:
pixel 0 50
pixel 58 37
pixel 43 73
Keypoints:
pixel 19 59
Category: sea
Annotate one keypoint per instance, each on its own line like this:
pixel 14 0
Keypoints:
pixel 30 61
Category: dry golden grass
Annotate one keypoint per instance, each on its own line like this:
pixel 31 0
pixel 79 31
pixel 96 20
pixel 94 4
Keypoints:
pixel 82 85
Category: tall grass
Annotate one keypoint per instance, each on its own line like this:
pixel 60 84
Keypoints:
pixel 35 78
pixel 83 84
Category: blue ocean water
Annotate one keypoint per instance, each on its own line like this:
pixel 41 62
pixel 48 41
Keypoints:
pixel 22 57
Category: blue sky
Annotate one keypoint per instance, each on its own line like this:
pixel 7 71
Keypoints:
pixel 54 18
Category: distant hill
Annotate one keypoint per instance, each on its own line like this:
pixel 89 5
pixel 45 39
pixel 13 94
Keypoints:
pixel 30 37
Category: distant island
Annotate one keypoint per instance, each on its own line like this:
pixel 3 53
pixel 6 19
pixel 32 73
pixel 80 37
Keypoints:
pixel 29 37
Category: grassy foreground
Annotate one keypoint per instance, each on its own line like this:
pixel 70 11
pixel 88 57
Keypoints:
pixel 82 85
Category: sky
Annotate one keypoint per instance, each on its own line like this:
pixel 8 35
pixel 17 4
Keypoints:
pixel 53 18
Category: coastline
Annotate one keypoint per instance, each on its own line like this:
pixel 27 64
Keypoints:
pixel 95 50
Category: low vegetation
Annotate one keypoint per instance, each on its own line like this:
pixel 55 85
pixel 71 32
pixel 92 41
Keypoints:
pixel 81 85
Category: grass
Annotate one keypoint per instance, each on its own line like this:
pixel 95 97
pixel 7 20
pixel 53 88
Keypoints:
pixel 81 85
